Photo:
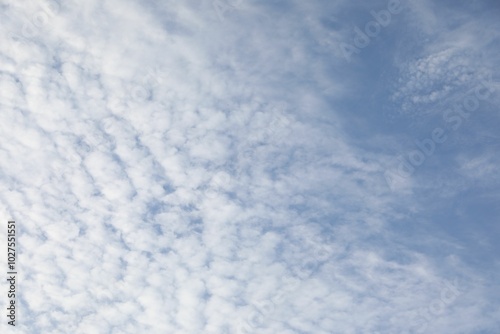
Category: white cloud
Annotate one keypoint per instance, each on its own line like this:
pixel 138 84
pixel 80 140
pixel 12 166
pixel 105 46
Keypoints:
pixel 173 173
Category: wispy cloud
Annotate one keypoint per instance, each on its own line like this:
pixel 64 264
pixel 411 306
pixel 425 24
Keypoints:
pixel 205 168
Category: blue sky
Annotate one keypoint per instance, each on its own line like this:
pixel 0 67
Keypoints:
pixel 237 166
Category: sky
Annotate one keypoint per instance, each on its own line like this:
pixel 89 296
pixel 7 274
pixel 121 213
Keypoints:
pixel 244 166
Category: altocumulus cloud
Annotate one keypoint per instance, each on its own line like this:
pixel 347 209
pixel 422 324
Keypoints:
pixel 173 170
